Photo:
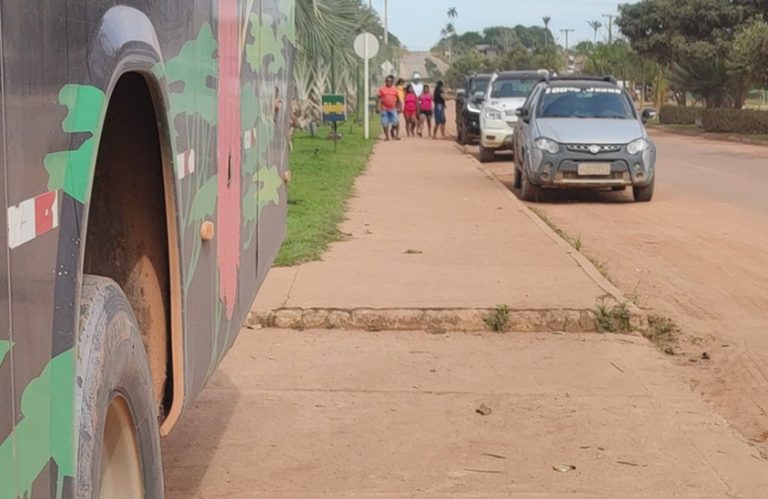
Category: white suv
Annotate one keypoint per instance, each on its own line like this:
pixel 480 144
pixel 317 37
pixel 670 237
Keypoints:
pixel 506 92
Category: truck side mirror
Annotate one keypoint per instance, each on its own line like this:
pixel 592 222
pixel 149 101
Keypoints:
pixel 479 96
pixel 521 112
pixel 460 93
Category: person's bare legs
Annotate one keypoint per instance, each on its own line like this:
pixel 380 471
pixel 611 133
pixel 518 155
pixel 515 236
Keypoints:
pixel 429 127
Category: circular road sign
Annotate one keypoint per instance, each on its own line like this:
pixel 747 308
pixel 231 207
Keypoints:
pixel 373 46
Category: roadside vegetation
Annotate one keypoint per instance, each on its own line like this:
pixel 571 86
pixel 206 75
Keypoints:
pixel 700 53
pixel 322 181
pixel 662 332
pixel 498 321
pixel 575 242
pixel 613 318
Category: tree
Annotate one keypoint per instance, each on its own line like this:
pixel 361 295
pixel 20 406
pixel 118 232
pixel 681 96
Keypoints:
pixel 595 25
pixel 546 20
pixel 325 31
pixel 584 48
pixel 692 39
pixel 751 40
pixel 453 13
pixel 465 65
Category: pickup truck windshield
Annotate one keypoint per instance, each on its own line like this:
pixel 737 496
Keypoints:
pixel 479 86
pixel 511 88
pixel 575 102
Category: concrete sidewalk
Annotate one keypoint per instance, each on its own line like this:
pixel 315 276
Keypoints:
pixel 428 230
pixel 356 414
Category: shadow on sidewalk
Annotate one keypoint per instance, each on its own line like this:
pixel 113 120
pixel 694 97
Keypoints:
pixel 192 446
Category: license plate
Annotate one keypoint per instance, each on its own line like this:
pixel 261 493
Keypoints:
pixel 594 169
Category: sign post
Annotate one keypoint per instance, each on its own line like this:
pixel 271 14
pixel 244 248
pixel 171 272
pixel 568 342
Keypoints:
pixel 334 111
pixel 366 47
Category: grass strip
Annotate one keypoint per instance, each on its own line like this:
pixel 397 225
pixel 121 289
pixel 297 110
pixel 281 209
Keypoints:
pixel 322 182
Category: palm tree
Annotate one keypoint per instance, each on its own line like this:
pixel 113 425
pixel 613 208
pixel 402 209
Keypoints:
pixel 453 13
pixel 546 20
pixel 595 25
pixel 325 31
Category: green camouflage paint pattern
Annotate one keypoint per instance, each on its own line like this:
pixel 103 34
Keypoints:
pixel 5 347
pixel 72 171
pixel 45 431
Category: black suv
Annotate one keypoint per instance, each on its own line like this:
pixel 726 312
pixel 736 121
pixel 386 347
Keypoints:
pixel 469 99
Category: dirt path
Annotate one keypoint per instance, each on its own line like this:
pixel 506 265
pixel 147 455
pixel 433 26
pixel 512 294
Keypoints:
pixel 356 414
pixel 698 254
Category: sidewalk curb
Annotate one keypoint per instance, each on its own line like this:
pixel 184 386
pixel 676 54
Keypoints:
pixel 431 320
pixel 639 319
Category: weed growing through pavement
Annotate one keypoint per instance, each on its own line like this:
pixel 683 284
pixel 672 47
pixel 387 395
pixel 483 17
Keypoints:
pixel 662 332
pixel 613 318
pixel 498 320
pixel 575 242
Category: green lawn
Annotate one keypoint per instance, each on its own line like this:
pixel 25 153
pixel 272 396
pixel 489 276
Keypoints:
pixel 322 182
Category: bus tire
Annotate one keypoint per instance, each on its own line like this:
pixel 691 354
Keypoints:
pixel 118 432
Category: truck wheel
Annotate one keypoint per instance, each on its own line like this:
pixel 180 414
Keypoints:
pixel 486 155
pixel 118 451
pixel 462 136
pixel 530 192
pixel 645 193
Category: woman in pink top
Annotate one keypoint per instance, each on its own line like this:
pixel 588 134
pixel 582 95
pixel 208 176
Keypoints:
pixel 425 111
pixel 410 110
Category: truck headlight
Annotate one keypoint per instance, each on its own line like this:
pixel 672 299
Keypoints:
pixel 638 146
pixel 493 114
pixel 548 145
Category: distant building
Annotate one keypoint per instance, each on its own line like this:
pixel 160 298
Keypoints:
pixel 487 51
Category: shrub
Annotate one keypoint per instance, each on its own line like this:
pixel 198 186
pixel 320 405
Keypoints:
pixel 745 121
pixel 680 115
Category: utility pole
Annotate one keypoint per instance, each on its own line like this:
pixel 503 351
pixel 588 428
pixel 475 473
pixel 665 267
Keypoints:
pixel 610 18
pixel 567 31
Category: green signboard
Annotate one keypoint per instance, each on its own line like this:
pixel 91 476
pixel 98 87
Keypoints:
pixel 334 108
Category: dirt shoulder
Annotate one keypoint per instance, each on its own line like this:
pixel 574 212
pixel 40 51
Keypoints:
pixel 697 254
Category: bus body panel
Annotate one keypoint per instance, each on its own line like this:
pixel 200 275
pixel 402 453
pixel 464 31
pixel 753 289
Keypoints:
pixel 219 72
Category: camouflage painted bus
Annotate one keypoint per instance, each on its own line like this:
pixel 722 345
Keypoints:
pixel 143 147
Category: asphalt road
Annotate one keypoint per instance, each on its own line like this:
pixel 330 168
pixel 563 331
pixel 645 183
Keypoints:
pixel 698 254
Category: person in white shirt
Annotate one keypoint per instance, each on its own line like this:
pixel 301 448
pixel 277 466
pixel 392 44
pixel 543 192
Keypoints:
pixel 418 87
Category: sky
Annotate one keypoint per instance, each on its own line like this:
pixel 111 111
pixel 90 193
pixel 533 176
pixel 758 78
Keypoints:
pixel 417 23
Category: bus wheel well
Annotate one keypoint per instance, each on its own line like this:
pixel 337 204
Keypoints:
pixel 127 232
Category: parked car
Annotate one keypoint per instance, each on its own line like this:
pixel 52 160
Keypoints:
pixel 583 132
pixel 506 92
pixel 469 100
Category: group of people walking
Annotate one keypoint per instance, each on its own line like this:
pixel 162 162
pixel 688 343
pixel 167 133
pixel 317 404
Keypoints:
pixel 412 106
